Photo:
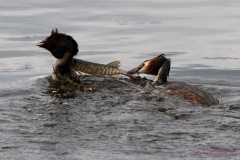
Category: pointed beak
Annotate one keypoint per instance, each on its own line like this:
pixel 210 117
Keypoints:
pixel 134 70
pixel 41 44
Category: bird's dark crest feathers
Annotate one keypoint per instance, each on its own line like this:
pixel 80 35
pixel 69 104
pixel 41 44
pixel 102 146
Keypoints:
pixel 56 31
pixel 59 43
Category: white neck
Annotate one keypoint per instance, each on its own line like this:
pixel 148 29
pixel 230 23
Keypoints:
pixel 57 62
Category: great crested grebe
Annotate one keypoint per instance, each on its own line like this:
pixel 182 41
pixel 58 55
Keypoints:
pixel 158 66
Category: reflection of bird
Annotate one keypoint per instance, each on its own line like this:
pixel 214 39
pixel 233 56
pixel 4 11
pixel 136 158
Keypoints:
pixel 159 66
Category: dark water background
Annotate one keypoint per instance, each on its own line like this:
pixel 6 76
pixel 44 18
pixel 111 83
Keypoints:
pixel 202 39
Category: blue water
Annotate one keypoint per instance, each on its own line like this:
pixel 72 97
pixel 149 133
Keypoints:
pixel 202 39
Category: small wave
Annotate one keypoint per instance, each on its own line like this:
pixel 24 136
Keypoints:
pixel 225 58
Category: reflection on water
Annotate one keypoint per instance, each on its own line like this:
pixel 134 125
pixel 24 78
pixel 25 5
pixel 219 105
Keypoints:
pixel 40 122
